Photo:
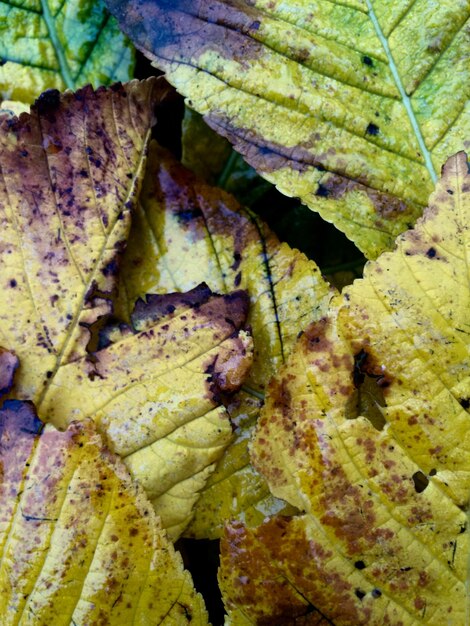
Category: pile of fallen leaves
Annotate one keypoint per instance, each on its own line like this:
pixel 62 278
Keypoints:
pixel 169 368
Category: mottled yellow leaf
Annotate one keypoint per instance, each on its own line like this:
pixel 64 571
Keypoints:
pixel 366 431
pixel 71 174
pixel 79 542
pixel 351 106
pixel 155 393
pixel 185 232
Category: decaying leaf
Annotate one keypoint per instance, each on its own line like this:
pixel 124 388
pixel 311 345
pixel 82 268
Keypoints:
pixel 353 107
pixel 59 45
pixel 383 533
pixel 71 174
pixel 79 541
pixel 186 232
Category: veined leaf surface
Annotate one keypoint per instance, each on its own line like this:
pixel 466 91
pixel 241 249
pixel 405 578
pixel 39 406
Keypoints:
pixel 353 107
pixel 185 232
pixel 383 534
pixel 71 174
pixel 59 45
pixel 79 541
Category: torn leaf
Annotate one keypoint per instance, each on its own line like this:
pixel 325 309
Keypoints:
pixel 185 232
pixel 155 393
pixel 71 174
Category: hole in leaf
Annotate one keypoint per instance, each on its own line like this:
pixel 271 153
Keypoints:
pixel 432 472
pixel 370 387
pixel 360 594
pixel 420 481
pixel 359 565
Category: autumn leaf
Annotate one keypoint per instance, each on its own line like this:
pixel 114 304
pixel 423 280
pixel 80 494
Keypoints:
pixel 383 533
pixel 185 232
pixel 72 172
pixel 351 107
pixel 79 541
pixel 66 45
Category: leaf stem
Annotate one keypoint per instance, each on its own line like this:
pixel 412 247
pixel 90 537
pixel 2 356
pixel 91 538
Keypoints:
pixel 404 96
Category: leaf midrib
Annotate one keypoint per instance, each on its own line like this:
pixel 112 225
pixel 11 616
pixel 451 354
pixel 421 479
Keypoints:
pixel 51 29
pixel 404 96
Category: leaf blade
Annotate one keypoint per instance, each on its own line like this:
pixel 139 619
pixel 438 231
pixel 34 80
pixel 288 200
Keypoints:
pixel 374 524
pixel 49 45
pixel 342 122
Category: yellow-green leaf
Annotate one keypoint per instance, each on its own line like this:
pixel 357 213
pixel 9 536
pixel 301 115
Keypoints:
pixel 186 232
pixel 71 174
pixel 59 45
pixel 382 482
pixel 79 542
pixel 352 107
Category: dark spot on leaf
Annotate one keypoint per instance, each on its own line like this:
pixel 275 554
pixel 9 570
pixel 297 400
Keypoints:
pixel 322 191
pixel 188 215
pixel 111 269
pixel 431 253
pixel 89 150
pixel 372 129
pixel 376 593
pixel 83 173
pixel 255 25
pixel 432 472
pixel 48 101
pixel 24 153
pixel 238 279
pixel 367 61
pixel 13 283
pixel 237 257
pixel 359 362
pixel 420 481
pixel 450 192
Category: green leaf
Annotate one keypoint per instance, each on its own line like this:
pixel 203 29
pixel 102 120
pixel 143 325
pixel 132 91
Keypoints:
pixel 353 107
pixel 47 44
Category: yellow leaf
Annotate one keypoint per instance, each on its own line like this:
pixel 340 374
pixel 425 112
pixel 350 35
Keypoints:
pixel 352 107
pixel 186 232
pixel 79 542
pixel 71 174
pixel 382 482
